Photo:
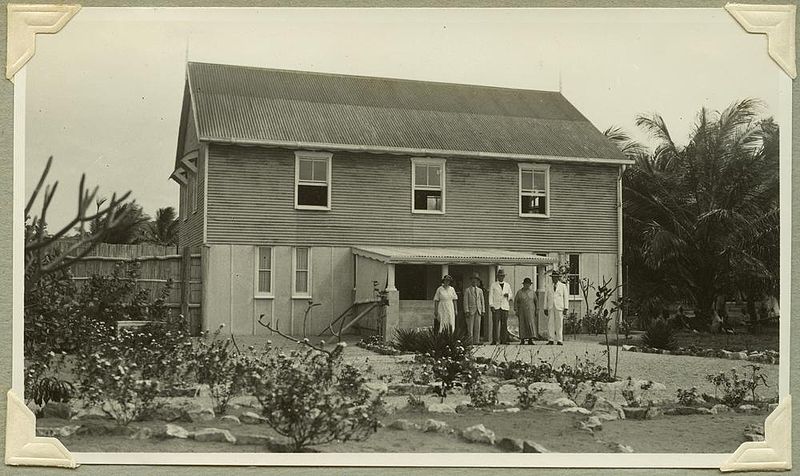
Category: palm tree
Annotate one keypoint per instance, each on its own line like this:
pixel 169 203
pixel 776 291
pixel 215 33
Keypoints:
pixel 701 220
pixel 130 226
pixel 164 229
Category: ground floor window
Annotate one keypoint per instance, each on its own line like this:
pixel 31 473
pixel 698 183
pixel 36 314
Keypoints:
pixel 264 271
pixel 574 275
pixel 302 272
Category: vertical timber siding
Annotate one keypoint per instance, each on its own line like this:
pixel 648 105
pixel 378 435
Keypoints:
pixel 251 201
pixel 190 231
pixel 230 290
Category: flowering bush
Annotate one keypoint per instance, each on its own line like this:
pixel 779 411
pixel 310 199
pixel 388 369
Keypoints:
pixel 482 394
pixel 110 376
pixel 311 398
pixel 217 364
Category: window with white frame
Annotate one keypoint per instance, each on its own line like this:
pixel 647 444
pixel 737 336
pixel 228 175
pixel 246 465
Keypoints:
pixel 302 272
pixel 312 189
pixel 427 185
pixel 264 271
pixel 534 190
pixel 574 275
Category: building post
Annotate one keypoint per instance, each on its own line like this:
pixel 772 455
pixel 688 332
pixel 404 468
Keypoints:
pixel 391 320
pixel 186 263
pixel 541 282
pixel 486 325
pixel 445 269
pixel 390 282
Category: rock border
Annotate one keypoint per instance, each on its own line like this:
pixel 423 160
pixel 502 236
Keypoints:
pixel 761 357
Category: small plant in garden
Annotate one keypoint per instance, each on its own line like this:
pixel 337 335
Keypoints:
pixel 660 336
pixel 408 340
pixel 580 378
pixel 527 398
pixel 482 394
pixel 689 397
pixel 735 388
pixel 634 395
pixel 573 323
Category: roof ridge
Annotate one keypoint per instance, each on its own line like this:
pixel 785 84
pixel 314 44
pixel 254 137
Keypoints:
pixel 366 77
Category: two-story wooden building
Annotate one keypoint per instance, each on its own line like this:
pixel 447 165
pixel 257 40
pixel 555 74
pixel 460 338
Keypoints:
pixel 307 186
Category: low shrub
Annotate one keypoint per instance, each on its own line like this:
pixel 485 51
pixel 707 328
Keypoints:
pixel 444 343
pixel 581 379
pixel 408 340
pixel 309 397
pixel 689 397
pixel 216 363
pixel 527 398
pixel 111 377
pixel 634 395
pixel 735 388
pixel 660 336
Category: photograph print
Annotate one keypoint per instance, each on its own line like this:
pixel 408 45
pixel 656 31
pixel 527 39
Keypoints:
pixel 428 231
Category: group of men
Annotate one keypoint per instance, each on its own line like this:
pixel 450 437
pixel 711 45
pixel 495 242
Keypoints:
pixel 526 305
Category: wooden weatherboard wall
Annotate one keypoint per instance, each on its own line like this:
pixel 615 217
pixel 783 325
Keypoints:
pixel 251 201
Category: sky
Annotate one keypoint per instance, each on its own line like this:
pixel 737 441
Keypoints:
pixel 103 96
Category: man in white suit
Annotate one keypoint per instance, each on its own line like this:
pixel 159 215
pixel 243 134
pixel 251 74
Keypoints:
pixel 556 305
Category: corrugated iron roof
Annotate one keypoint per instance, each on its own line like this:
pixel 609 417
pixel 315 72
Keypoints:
pixel 416 255
pixel 297 108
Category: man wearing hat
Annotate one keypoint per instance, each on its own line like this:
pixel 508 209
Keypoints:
pixel 556 306
pixel 500 297
pixel 474 309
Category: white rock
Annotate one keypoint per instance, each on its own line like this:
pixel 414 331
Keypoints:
pixel 608 410
pixel 436 426
pixel 747 408
pixel 403 424
pixel 231 419
pixel 176 431
pixel 199 414
pixel 251 418
pixel 576 410
pixel 215 434
pixel 720 408
pixel 441 408
pixel 479 434
pixel 506 410
pixel 562 403
pixel 529 446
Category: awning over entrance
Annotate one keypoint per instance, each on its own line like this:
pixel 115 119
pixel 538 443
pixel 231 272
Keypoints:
pixel 482 256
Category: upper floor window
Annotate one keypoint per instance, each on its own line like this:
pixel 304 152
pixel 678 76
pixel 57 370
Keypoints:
pixel 312 180
pixel 534 190
pixel 264 271
pixel 427 185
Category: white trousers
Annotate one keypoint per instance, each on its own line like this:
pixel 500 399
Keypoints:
pixel 555 325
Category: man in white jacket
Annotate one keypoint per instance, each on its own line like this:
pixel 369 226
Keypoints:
pixel 556 305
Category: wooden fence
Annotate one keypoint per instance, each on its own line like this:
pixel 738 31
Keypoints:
pixel 158 265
